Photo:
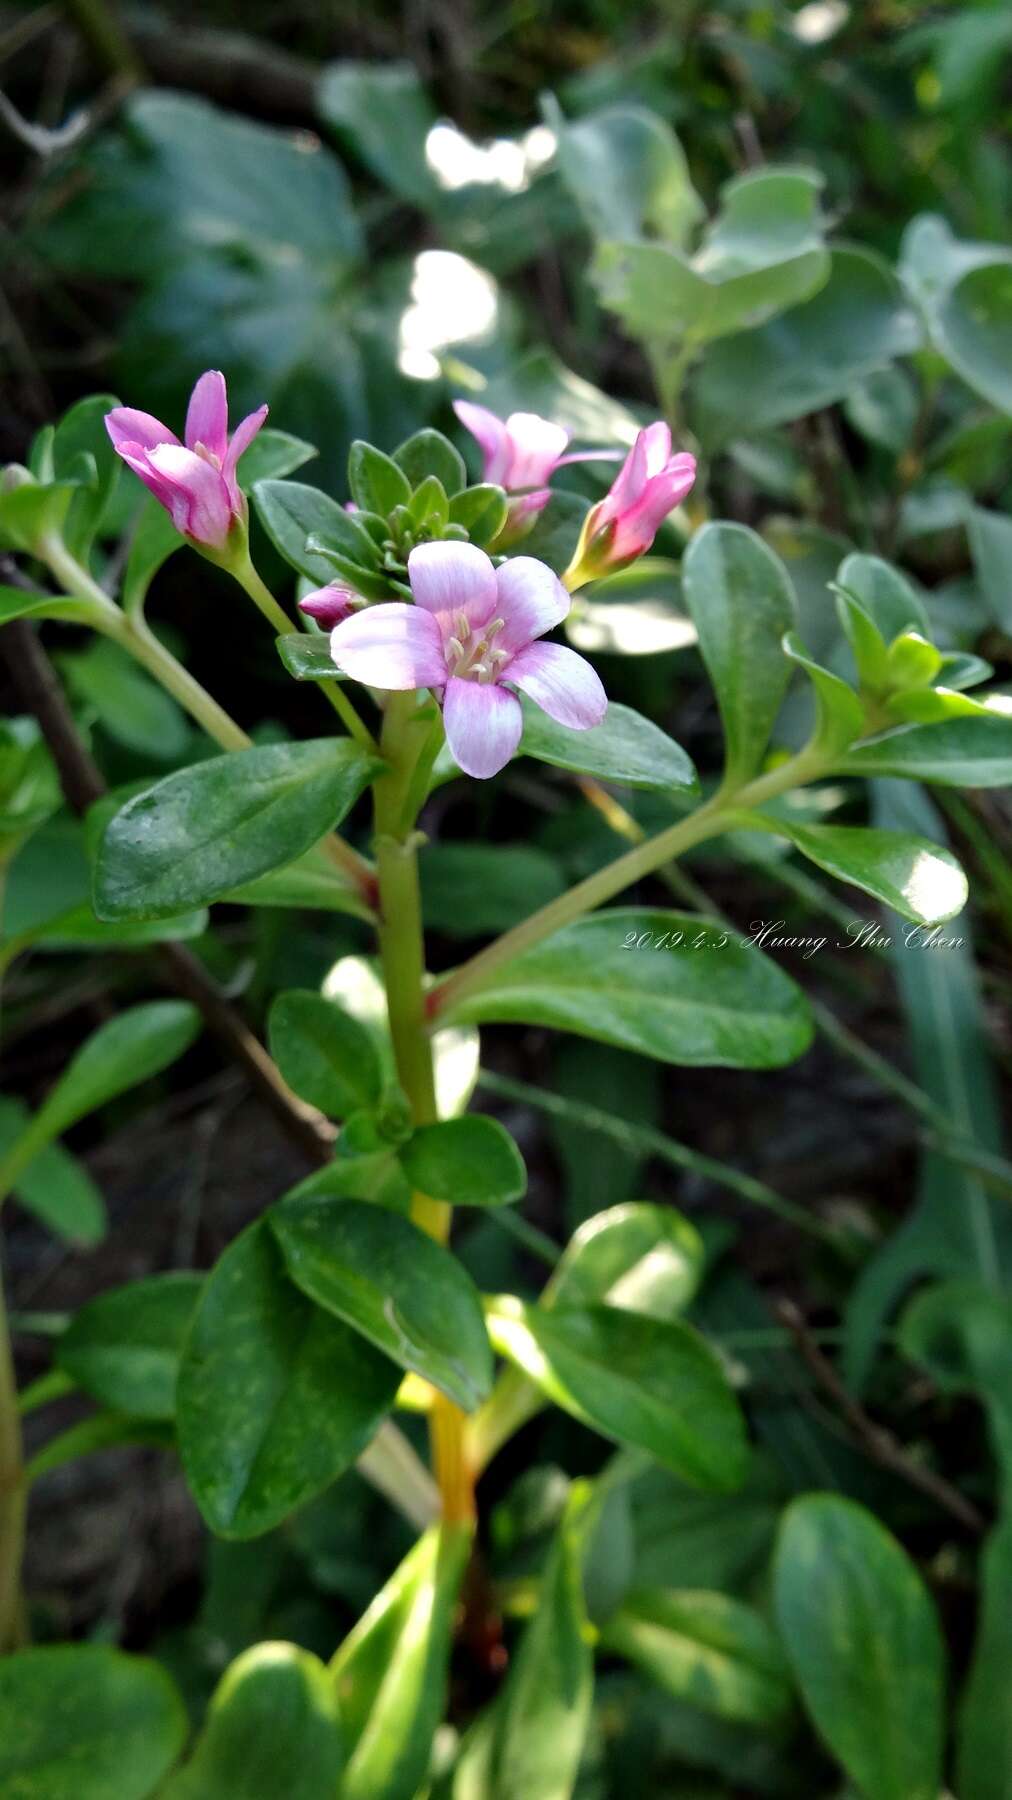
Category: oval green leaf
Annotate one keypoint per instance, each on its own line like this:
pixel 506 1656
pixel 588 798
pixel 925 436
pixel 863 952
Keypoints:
pixel 642 1258
pixel 471 1161
pixel 706 1649
pixel 210 828
pixel 919 879
pixel 742 602
pixel 625 747
pixel 272 1728
pixel 405 1293
pixel 323 1053
pixel 651 1384
pixel 956 752
pixel 85 1722
pixel 124 1348
pixel 390 1674
pixel 275 1398
pixel 669 985
pixel 863 1639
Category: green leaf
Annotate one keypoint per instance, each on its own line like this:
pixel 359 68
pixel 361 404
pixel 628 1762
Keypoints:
pixel 883 408
pixel 652 1384
pixel 984 1742
pixel 390 1674
pixel 127 1050
pixel 811 356
pixel 15 603
pixel 323 1053
pixel 470 890
pixel 922 881
pixel 625 747
pixel 471 1161
pixel 991 548
pixel 383 1276
pixel 763 254
pixel 642 1258
pixel 742 603
pixel 78 927
pixel 292 513
pixel 430 453
pixel 311 880
pixel 377 484
pixel 275 1397
pixel 669 985
pixel 53 1186
pixel 124 1347
pixel 885 594
pixel 306 655
pixel 127 703
pixel 706 1649
pixel 972 326
pixel 958 752
pixel 956 1225
pixel 29 512
pixel 839 712
pixel 271 455
pixel 208 829
pixel 85 1722
pixel 382 113
pixel 82 432
pixel 155 539
pixel 543 1712
pixel 627 172
pixel 272 1726
pixel 863 1639
pixel 482 511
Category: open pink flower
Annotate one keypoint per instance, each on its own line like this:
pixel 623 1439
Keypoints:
pixel 649 485
pixel 194 481
pixel 521 454
pixel 329 605
pixel 471 636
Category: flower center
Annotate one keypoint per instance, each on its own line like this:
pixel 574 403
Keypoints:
pixel 207 455
pixel 474 658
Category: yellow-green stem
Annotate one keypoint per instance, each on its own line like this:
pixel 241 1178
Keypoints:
pixel 708 821
pixel 134 635
pixel 402 950
pixel 251 584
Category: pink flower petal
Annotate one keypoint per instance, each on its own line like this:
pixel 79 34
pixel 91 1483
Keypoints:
pixel 657 446
pixel 451 578
pixel 531 599
pixel 126 425
pixel 199 501
pixel 491 435
pixel 536 445
pixel 390 646
pixel 483 725
pixel 563 684
pixel 136 458
pixel 242 438
pixel 207 415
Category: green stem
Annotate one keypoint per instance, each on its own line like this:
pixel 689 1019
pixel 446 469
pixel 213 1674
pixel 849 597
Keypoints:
pixel 12 1494
pixel 406 729
pixel 134 635
pixel 251 584
pixel 709 820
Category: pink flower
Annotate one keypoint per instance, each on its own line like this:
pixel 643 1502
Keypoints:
pixel 329 605
pixel 649 485
pixel 471 632
pixel 521 454
pixel 196 481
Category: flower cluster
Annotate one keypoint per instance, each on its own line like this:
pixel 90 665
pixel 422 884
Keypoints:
pixel 473 632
